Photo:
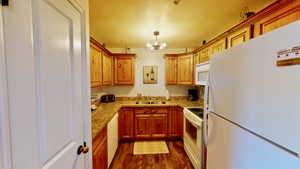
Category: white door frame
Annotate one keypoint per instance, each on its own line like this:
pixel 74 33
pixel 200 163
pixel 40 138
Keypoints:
pixel 5 140
pixel 5 144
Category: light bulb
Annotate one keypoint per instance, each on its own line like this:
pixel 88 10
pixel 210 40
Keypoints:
pixel 148 45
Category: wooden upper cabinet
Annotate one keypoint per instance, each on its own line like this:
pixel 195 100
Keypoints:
pixel 124 69
pixel 205 54
pixel 239 37
pixel 171 70
pixel 285 15
pixel 218 46
pixel 107 69
pixel 185 69
pixel 95 67
pixel 197 58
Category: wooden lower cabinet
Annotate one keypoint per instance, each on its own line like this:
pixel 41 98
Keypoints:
pixel 126 123
pixel 100 150
pixel 150 123
pixel 175 122
pixel 142 125
pixel 159 125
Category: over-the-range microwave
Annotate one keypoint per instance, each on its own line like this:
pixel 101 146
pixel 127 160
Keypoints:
pixel 202 74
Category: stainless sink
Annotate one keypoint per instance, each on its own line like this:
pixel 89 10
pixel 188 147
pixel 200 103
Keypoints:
pixel 150 102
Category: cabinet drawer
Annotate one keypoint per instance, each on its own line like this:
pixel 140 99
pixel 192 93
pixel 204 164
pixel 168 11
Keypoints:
pixel 160 110
pixel 142 110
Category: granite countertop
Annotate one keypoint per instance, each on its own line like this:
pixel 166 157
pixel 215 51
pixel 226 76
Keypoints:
pixel 105 112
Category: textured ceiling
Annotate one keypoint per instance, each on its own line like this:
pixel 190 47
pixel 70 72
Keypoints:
pixel 130 23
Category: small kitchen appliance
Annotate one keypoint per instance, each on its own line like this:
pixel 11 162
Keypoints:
pixel 108 98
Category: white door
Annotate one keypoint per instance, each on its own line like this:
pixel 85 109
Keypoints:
pixel 45 64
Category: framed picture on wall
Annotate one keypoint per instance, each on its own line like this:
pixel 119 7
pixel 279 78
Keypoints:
pixel 150 74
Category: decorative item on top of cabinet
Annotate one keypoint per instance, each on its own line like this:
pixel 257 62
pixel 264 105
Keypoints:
pixel 124 69
pixel 239 37
pixel 107 69
pixel 171 70
pixel 95 66
pixel 185 70
pixel 126 124
pixel 218 46
pixel 286 14
pixel 100 150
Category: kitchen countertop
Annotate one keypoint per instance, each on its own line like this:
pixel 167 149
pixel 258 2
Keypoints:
pixel 105 111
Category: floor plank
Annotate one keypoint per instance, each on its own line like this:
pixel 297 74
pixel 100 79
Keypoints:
pixel 176 159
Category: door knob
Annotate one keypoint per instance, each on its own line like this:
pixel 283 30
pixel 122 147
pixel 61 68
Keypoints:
pixel 83 149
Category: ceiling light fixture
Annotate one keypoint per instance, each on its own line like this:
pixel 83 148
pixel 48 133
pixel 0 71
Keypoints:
pixel 156 45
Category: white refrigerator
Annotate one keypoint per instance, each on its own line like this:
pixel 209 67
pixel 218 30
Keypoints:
pixel 254 108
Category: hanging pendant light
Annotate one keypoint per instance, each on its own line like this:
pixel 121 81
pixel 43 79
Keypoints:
pixel 156 45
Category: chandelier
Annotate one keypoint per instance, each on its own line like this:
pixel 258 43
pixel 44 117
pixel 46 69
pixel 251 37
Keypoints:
pixel 156 45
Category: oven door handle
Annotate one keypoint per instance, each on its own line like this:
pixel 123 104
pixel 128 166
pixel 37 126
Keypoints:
pixel 193 122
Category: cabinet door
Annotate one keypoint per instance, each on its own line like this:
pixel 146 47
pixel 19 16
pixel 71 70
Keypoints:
pixel 124 70
pixel 287 14
pixel 100 156
pixel 142 125
pixel 95 67
pixel 171 70
pixel 159 125
pixel 205 54
pixel 100 150
pixel 175 122
pixel 185 70
pixel 107 69
pixel 239 37
pixel 126 123
pixel 218 46
pixel 196 59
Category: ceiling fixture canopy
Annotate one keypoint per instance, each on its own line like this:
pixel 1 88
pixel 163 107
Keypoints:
pixel 156 45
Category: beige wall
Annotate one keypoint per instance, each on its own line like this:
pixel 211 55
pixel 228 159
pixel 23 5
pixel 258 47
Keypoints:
pixel 146 57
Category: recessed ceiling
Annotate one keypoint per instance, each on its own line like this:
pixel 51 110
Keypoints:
pixel 130 23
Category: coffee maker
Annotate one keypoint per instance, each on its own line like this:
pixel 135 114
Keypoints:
pixel 193 94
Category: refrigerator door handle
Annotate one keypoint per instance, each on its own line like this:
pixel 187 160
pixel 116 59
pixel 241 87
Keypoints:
pixel 205 128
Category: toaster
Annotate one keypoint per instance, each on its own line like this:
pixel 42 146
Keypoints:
pixel 108 98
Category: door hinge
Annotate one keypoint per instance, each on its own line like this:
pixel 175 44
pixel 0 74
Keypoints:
pixel 4 2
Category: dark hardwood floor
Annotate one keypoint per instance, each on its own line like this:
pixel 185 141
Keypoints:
pixel 176 159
